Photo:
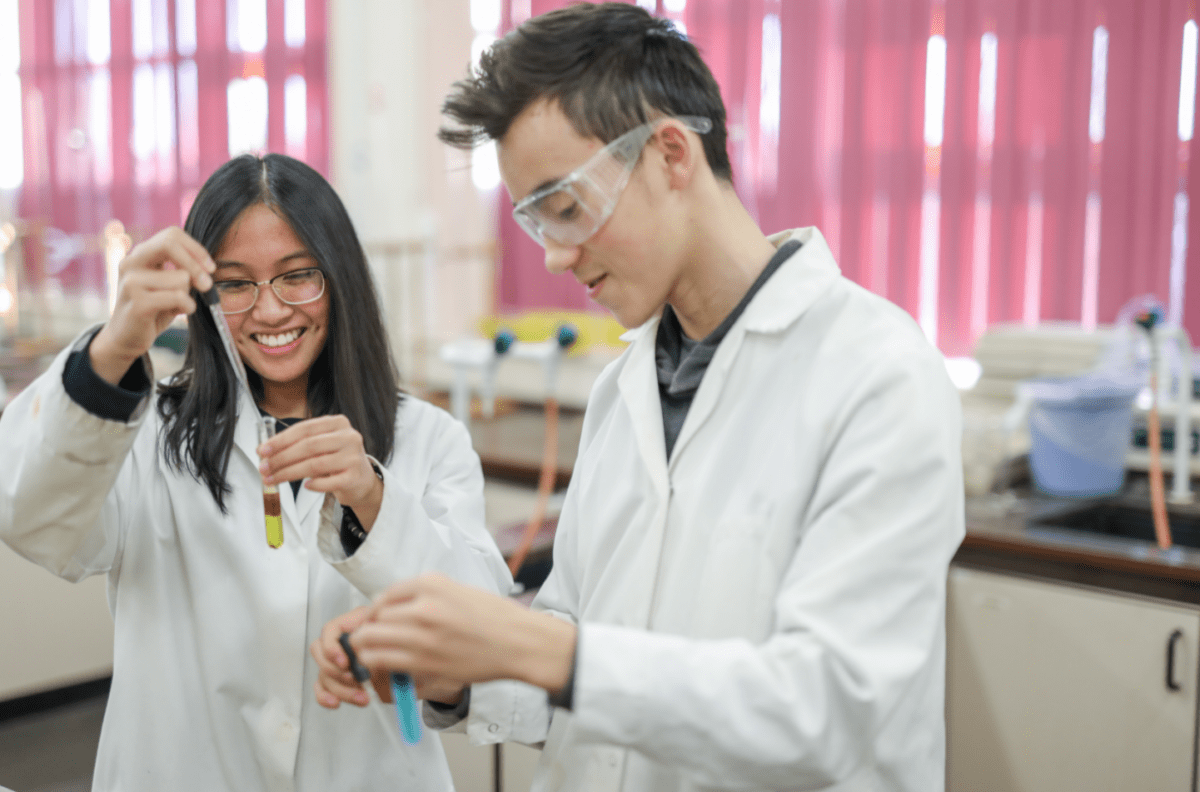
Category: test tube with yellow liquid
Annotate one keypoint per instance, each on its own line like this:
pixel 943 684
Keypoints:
pixel 272 511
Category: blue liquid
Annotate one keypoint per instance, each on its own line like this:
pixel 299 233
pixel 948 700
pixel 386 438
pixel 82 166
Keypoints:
pixel 407 709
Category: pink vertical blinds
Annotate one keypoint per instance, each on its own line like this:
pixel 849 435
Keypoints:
pixel 974 161
pixel 129 125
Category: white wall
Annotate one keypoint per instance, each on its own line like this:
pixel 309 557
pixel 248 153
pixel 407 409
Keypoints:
pixel 391 64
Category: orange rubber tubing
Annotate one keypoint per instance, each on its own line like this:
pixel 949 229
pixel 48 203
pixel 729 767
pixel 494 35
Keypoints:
pixel 1158 496
pixel 545 486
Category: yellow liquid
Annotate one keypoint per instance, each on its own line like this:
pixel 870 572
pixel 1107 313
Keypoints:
pixel 274 530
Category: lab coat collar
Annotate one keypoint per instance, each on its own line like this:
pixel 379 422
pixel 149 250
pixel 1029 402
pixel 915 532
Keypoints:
pixel 795 286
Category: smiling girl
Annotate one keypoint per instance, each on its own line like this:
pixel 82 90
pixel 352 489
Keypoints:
pixel 212 680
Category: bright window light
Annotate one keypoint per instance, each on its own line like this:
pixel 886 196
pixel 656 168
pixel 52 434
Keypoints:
pixel 485 168
pixel 10 41
pixel 768 106
pixel 1099 84
pixel 935 90
pixel 1187 82
pixel 1179 244
pixel 964 372
pixel 485 15
pixel 987 89
pixel 674 6
pixel 185 27
pixel 295 116
pixel 143 111
pixel 294 30
pixel 12 156
pixel 247 115
pixel 100 127
pixel 480 43
pixel 99 32
pixel 649 5
pixel 188 83
pixel 143 33
pixel 246 25
pixel 164 122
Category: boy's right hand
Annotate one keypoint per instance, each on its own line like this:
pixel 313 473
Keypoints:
pixel 155 280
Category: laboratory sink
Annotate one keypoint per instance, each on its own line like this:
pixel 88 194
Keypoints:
pixel 1121 518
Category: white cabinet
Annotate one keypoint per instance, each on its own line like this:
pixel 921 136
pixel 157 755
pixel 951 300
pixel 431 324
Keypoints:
pixel 1054 688
pixel 54 633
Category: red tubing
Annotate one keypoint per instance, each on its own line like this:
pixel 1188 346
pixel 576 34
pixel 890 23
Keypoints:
pixel 1158 496
pixel 545 486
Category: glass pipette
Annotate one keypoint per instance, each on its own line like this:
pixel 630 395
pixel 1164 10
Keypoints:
pixel 272 513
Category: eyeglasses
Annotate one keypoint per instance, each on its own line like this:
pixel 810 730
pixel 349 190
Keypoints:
pixel 294 288
pixel 572 209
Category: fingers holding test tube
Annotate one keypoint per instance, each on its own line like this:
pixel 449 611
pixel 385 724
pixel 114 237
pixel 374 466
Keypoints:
pixel 329 452
pixel 156 280
pixel 335 683
pixel 438 629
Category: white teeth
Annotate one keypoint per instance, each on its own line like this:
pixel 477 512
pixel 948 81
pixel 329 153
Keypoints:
pixel 277 340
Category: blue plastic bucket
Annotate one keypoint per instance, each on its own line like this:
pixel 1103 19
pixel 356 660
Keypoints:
pixel 1080 430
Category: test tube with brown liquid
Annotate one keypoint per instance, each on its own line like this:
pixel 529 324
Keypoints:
pixel 272 512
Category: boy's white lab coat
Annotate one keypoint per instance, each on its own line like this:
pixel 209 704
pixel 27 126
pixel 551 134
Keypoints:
pixel 767 610
pixel 212 680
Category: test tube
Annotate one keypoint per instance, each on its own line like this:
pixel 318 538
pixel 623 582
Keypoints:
pixel 363 677
pixel 272 511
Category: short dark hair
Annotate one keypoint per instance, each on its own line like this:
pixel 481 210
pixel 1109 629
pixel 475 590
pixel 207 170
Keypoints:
pixel 354 375
pixel 609 66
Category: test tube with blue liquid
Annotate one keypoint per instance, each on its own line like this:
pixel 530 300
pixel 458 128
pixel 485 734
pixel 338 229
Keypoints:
pixel 408 715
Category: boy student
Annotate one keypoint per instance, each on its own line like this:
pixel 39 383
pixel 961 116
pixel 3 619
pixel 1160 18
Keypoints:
pixel 750 566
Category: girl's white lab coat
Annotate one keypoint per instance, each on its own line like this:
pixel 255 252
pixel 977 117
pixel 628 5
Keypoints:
pixel 212 681
pixel 767 610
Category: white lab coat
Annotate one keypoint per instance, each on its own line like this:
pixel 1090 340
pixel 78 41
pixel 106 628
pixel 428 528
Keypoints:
pixel 212 681
pixel 767 610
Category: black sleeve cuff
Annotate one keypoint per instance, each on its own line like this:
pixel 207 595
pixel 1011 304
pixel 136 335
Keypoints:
pixel 458 710
pixel 102 399
pixel 565 698
pixel 352 533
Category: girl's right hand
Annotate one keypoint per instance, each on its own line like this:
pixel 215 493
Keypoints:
pixel 155 280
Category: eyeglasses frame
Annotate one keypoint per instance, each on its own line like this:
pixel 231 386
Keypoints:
pixel 271 282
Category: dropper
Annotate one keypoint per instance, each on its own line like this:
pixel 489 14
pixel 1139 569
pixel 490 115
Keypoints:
pixel 272 515
pixel 363 677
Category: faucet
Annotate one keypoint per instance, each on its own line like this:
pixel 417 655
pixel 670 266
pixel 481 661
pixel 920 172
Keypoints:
pixel 1161 335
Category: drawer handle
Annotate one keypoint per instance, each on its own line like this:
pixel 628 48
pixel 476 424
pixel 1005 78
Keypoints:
pixel 1174 639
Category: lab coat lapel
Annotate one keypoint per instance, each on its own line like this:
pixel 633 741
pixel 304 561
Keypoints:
pixel 709 392
pixel 638 385
pixel 789 292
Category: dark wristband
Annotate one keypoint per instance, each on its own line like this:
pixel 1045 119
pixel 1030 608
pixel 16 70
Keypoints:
pixel 565 698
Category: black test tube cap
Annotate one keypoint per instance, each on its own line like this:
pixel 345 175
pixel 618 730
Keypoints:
pixel 359 670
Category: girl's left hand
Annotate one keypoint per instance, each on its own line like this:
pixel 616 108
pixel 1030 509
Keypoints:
pixel 327 451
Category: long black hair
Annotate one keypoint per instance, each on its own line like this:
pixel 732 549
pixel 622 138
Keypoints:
pixel 354 375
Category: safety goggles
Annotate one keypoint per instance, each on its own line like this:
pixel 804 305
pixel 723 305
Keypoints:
pixel 573 208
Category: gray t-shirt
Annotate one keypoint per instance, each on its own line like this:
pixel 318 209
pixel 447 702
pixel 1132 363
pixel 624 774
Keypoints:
pixel 682 361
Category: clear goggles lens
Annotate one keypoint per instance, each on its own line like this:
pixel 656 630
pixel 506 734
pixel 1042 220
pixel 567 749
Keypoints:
pixel 294 288
pixel 572 209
